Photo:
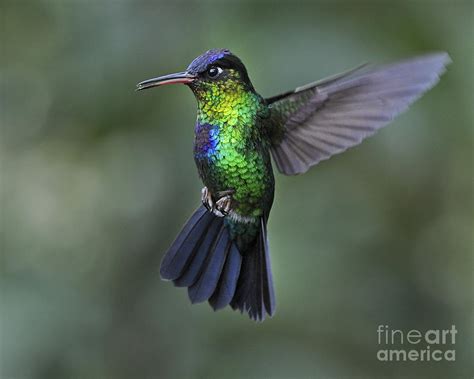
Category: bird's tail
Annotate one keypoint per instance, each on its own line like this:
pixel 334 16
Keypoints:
pixel 205 259
pixel 254 293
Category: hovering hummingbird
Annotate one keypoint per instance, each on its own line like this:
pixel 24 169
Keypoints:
pixel 222 253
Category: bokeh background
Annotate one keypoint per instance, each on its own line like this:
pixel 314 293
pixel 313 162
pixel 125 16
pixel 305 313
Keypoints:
pixel 96 180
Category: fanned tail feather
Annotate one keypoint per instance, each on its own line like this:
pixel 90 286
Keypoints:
pixel 254 293
pixel 205 259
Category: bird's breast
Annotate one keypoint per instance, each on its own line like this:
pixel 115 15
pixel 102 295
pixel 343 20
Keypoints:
pixel 206 140
pixel 226 160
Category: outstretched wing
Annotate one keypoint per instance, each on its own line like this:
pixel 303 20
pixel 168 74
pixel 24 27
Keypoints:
pixel 324 118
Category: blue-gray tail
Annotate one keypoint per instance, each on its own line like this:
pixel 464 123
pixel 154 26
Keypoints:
pixel 205 259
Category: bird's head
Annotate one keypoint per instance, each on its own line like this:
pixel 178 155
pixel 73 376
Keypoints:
pixel 218 79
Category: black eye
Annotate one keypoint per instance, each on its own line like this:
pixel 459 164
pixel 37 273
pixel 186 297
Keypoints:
pixel 214 71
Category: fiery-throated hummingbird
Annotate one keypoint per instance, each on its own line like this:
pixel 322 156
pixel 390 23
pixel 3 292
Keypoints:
pixel 222 254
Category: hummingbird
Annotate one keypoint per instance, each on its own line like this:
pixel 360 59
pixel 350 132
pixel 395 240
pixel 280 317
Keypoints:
pixel 222 255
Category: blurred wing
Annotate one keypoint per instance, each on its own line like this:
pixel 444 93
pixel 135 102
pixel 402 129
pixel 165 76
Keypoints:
pixel 325 118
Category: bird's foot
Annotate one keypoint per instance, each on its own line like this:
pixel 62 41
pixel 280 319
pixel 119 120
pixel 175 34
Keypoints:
pixel 223 206
pixel 206 199
pixel 220 208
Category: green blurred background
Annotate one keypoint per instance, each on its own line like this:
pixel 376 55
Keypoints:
pixel 97 180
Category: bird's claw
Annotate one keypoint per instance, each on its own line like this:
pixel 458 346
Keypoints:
pixel 206 199
pixel 222 207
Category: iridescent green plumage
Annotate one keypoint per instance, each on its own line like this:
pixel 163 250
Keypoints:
pixel 239 159
pixel 230 119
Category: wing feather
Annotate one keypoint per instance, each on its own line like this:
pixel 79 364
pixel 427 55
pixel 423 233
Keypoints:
pixel 327 117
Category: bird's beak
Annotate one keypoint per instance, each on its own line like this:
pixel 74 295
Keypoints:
pixel 180 77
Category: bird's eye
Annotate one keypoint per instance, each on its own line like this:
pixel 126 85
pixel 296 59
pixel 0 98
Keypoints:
pixel 214 71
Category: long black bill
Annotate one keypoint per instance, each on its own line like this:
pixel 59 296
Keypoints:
pixel 180 77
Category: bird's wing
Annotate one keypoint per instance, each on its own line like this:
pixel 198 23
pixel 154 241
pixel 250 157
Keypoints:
pixel 324 118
